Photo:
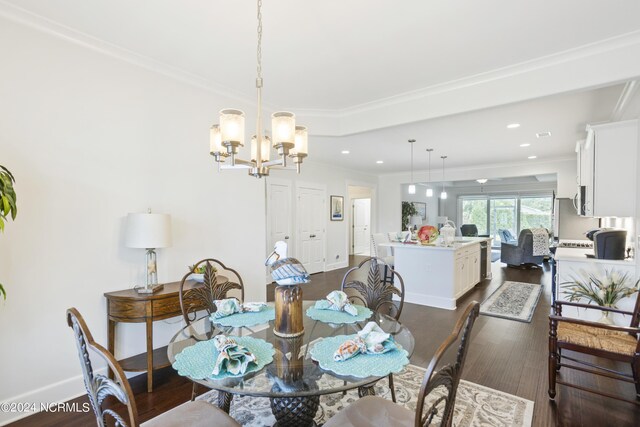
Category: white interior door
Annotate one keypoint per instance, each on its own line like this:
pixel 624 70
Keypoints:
pixel 310 218
pixel 361 226
pixel 279 214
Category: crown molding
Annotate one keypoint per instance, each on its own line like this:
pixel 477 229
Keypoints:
pixel 37 22
pixel 514 83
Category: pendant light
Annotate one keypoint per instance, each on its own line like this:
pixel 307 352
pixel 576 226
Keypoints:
pixel 443 195
pixel 482 182
pixel 429 189
pixel 412 186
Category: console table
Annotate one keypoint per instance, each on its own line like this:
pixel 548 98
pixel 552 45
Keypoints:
pixel 128 306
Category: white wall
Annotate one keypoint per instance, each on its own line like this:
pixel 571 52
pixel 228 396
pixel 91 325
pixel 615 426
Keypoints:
pixel 389 187
pixel 89 139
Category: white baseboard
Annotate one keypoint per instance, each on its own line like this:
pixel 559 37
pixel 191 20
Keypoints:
pixel 430 300
pixel 336 265
pixel 61 391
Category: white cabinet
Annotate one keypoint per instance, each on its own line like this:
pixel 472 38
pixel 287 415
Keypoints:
pixel 607 170
pixel 467 269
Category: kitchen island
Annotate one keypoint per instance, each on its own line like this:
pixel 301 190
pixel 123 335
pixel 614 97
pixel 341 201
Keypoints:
pixel 437 276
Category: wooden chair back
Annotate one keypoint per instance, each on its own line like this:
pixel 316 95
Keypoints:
pixel 100 387
pixel 447 376
pixel 202 296
pixel 366 280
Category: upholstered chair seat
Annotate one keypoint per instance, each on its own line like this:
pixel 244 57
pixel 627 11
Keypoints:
pixel 372 411
pixel 597 338
pixel 193 414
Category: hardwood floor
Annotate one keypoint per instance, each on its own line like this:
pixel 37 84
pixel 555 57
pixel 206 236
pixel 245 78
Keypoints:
pixel 505 355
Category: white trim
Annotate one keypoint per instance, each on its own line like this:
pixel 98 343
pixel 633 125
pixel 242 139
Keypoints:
pixel 292 233
pixel 336 265
pixel 70 388
pixel 431 301
pixel 373 221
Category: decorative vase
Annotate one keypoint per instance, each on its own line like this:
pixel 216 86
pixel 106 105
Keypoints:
pixel 288 305
pixel 605 319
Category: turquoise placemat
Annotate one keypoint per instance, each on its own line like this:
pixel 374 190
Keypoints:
pixel 239 320
pixel 199 360
pixel 333 316
pixel 362 365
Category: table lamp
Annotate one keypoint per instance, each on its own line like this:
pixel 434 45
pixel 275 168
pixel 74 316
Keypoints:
pixel 149 231
pixel 415 221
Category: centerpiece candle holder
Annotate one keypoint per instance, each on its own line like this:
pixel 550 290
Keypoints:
pixel 289 274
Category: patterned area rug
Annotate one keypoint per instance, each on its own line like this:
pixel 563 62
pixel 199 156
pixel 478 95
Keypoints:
pixel 475 405
pixel 513 300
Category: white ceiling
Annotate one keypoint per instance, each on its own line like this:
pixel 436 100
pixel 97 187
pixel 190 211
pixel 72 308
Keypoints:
pixel 479 137
pixel 335 54
pixel 376 71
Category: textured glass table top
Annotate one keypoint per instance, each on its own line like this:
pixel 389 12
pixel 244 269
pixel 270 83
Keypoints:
pixel 292 371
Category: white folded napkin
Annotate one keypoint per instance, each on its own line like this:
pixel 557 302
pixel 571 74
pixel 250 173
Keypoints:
pixel 232 357
pixel 338 301
pixel 229 306
pixel 370 340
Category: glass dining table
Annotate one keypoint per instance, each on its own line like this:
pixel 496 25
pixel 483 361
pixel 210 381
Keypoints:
pixel 292 381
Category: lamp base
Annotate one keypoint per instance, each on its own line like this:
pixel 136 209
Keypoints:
pixel 150 290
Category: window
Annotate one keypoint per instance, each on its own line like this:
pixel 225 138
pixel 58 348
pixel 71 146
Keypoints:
pixel 491 213
pixel 474 211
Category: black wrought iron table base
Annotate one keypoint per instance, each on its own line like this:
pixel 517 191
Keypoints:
pixel 295 411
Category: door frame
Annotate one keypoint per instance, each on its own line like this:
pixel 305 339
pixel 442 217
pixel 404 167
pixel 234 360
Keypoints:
pixel 291 244
pixel 348 205
pixel 314 186
pixel 353 229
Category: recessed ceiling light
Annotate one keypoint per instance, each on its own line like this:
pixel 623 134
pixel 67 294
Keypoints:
pixel 525 145
pixel 482 180
pixel 532 157
pixel 380 162
pixel 513 125
pixel 345 151
pixel 543 134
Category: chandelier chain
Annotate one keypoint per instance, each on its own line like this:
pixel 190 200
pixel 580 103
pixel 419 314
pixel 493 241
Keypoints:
pixel 259 52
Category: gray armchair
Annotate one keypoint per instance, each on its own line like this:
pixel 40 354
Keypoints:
pixel 521 253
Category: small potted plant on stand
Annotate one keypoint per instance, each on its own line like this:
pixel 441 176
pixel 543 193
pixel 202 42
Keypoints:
pixel 603 291
pixel 7 204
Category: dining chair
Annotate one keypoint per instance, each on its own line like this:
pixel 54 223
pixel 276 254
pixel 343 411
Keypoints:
pixel 616 343
pixel 100 388
pixel 374 293
pixel 383 253
pixel 202 298
pixel 436 400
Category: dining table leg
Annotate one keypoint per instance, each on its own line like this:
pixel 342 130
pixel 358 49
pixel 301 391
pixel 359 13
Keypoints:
pixel 367 390
pixel 295 411
pixel 224 401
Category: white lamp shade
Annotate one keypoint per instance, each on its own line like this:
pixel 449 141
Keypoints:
pixel 411 189
pixel 232 126
pixel 429 192
pixel 148 231
pixel 302 141
pixel 265 153
pixel 283 128
pixel 415 221
pixel 443 195
pixel 215 140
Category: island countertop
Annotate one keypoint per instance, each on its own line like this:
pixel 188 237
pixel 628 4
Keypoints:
pixel 458 243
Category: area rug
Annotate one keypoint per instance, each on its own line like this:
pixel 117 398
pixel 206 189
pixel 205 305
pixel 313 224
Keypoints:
pixel 475 405
pixel 513 300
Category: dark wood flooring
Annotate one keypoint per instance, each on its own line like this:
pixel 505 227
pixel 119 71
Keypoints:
pixel 505 355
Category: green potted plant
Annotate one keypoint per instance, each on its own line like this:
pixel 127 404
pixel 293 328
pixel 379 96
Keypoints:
pixel 8 207
pixel 408 209
pixel 603 291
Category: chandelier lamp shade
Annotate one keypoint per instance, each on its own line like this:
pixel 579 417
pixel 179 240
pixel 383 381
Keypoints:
pixel 443 194
pixel 412 186
pixel 429 192
pixel 287 139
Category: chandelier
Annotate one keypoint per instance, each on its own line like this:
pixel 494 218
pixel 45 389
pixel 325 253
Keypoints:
pixel 289 140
